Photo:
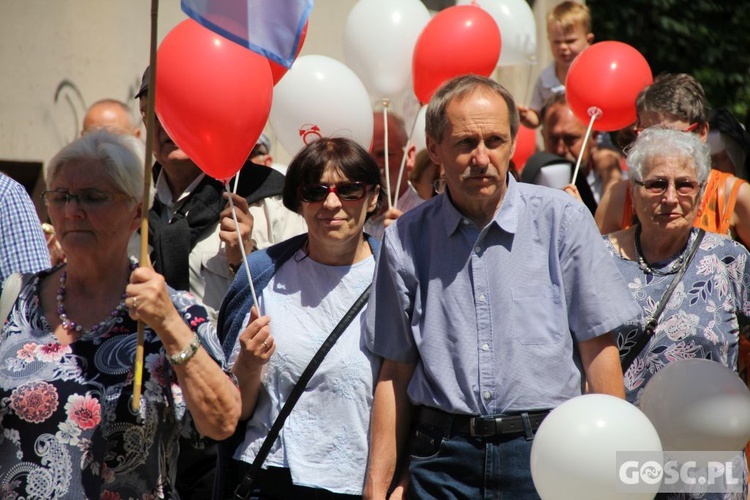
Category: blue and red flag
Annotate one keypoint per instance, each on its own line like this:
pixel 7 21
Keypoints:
pixel 271 28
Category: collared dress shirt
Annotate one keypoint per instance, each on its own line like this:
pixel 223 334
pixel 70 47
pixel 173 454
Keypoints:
pixel 491 317
pixel 23 248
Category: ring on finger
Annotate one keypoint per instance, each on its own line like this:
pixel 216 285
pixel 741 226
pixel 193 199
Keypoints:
pixel 267 347
pixel 135 302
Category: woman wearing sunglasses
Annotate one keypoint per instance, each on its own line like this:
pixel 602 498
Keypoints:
pixel 305 286
pixel 707 310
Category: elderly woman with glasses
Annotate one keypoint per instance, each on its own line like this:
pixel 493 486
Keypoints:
pixel 708 308
pixel 305 286
pixel 68 424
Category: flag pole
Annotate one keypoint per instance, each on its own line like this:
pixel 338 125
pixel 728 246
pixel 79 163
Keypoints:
pixel 135 403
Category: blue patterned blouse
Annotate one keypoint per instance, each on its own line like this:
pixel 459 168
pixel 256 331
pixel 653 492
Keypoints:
pixel 704 317
pixel 66 428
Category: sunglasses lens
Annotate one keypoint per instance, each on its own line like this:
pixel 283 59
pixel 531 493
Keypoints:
pixel 350 191
pixel 656 186
pixel 313 193
pixel 685 187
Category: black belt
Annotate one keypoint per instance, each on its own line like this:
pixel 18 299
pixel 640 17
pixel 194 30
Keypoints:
pixel 481 426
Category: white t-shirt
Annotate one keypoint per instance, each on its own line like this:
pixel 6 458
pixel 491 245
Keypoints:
pixel 324 440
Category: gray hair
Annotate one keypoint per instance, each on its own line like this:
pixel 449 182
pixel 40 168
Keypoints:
pixel 116 155
pixel 656 142
pixel 436 118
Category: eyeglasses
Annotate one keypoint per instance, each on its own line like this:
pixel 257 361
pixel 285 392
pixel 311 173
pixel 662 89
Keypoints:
pixel 88 198
pixel 346 191
pixel 690 128
pixel 684 187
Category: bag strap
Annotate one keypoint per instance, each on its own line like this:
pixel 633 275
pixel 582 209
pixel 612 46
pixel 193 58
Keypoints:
pixel 245 487
pixel 653 321
pixel 11 289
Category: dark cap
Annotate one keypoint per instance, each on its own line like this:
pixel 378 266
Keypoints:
pixel 144 85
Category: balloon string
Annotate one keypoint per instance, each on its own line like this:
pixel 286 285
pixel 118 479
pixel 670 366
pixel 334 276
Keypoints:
pixel 403 159
pixel 386 103
pixel 530 72
pixel 236 181
pixel 583 148
pixel 242 249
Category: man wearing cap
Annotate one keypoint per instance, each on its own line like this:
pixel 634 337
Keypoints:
pixel 196 248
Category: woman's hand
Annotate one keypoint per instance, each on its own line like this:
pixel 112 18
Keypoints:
pixel 256 343
pixel 256 347
pixel 148 300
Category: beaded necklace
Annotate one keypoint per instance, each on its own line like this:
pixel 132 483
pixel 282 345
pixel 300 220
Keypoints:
pixel 70 325
pixel 677 259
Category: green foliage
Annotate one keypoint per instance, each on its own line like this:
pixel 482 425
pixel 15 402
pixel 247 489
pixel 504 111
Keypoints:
pixel 705 38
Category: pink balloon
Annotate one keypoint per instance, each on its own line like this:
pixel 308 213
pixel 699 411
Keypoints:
pixel 213 97
pixel 605 79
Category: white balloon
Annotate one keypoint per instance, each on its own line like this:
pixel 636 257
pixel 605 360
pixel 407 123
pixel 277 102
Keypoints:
pixel 698 405
pixel 320 97
pixel 418 137
pixel 517 29
pixel 574 453
pixel 379 39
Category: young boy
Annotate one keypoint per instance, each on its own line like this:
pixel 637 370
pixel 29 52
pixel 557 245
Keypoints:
pixel 569 33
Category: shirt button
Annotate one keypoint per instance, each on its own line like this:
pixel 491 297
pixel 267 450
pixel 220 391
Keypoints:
pixel 485 347
pixel 481 298
pixel 477 249
pixel 465 222
pixel 486 395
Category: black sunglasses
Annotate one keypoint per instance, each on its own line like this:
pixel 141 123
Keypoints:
pixel 346 191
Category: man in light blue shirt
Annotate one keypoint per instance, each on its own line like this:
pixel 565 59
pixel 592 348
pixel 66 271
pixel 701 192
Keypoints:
pixel 492 305
pixel 23 248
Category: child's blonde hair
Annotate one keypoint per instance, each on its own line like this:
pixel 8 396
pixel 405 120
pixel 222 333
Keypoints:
pixel 569 14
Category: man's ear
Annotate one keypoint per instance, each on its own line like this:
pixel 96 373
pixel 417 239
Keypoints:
pixel 432 150
pixel 411 158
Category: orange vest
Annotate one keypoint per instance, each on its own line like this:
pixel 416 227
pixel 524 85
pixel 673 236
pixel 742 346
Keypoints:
pixel 715 213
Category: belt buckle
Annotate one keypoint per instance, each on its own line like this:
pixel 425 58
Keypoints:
pixel 484 426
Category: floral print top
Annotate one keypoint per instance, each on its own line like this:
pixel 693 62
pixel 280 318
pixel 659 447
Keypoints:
pixel 66 427
pixel 704 317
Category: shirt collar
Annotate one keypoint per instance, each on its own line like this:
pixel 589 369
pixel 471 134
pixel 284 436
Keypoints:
pixel 506 216
pixel 164 194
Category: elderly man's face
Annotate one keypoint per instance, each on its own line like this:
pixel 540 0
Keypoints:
pixel 475 149
pixel 563 134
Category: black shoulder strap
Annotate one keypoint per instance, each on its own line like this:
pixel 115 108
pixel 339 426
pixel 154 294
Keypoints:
pixel 244 489
pixel 653 321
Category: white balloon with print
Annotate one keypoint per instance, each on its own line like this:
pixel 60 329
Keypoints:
pixel 320 97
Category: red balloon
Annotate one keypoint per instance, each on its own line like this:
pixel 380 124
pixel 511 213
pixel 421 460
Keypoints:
pixel 213 97
pixel 525 146
pixel 606 79
pixel 459 40
pixel 277 70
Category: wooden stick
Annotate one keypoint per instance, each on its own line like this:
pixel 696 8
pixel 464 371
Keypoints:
pixel 135 403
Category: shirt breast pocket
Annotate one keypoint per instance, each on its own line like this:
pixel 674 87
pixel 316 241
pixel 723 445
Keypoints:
pixel 537 316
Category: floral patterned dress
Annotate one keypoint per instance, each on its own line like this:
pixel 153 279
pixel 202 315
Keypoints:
pixel 66 428
pixel 704 317
pixel 707 312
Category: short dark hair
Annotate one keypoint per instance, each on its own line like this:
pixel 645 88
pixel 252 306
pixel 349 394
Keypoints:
pixel 340 154
pixel 677 96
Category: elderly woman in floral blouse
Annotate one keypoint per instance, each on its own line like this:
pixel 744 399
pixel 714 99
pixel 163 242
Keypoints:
pixel 67 429
pixel 709 307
